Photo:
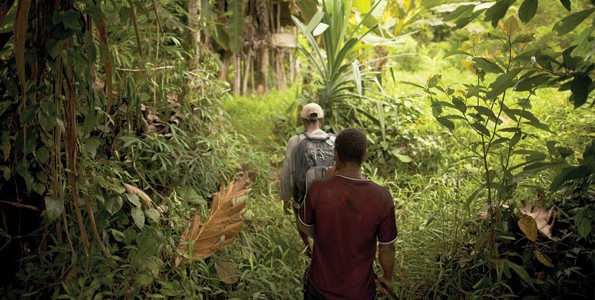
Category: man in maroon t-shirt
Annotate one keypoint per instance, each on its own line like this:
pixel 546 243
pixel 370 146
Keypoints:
pixel 348 215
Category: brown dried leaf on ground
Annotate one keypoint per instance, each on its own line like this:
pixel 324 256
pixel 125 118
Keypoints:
pixel 543 218
pixel 220 228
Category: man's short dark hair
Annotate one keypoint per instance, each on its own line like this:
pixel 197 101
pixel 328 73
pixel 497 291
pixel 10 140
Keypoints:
pixel 351 145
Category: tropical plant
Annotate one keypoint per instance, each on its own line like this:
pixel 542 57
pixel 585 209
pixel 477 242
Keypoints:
pixel 502 140
pixel 342 80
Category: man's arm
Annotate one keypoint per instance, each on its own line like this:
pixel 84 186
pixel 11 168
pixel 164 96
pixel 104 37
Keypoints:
pixel 286 184
pixel 303 227
pixel 386 258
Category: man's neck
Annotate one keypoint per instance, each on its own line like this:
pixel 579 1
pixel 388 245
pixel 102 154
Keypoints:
pixel 350 170
pixel 312 128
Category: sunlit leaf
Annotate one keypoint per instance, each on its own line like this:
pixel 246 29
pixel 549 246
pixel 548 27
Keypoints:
pixel 568 23
pixel 53 208
pixel 529 227
pixel 459 12
pixel 543 259
pixel 510 26
pixel 138 216
pixel 487 65
pixel 315 21
pixel 320 28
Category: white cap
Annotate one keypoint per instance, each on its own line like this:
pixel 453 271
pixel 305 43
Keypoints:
pixel 312 111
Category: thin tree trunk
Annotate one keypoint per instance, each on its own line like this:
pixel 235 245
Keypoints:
pixel 247 67
pixel 193 25
pixel 237 73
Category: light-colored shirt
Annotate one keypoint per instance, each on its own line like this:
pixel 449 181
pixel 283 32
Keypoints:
pixel 287 187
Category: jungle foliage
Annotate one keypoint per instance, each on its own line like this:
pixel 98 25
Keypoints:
pixel 128 170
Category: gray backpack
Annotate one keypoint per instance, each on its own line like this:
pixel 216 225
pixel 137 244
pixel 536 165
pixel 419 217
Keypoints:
pixel 311 152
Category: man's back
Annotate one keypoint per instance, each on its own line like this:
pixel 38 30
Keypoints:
pixel 350 216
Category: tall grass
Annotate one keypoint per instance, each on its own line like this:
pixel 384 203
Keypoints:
pixel 431 193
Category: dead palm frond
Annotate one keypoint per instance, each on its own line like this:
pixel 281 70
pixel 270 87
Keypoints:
pixel 203 239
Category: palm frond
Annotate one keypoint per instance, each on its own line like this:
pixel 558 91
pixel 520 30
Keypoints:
pixel 200 241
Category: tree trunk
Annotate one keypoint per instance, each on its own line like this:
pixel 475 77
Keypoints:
pixel 237 73
pixel 193 25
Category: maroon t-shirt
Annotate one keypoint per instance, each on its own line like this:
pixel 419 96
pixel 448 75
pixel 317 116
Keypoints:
pixel 349 217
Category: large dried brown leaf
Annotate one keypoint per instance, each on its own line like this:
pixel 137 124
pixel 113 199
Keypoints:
pixel 220 228
pixel 544 218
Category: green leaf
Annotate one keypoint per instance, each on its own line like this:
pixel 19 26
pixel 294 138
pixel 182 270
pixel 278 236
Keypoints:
pixel 532 169
pixel 320 28
pixel 498 11
pixel 43 155
pixel 487 65
pixel 481 128
pixel 153 215
pixel 459 104
pixel 568 23
pixel 532 82
pixel 580 87
pixel 144 279
pixel 133 199
pixel 315 21
pixel 482 110
pixel 404 158
pixel 90 145
pixel 583 224
pixel 515 139
pixel 527 10
pixel 566 4
pixel 503 82
pixel 70 19
pixel 568 174
pixel 53 208
pixel 473 196
pixel 113 204
pixel 446 123
pixel 459 12
pixel 148 242
pixel 308 8
pixel 520 271
pixel 510 26
pixel 357 78
pixel 138 216
pixel 434 80
pixel 363 6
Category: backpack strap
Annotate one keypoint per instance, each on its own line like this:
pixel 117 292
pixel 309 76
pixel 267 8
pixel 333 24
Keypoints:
pixel 328 136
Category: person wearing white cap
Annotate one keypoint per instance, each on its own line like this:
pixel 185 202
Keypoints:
pixel 312 117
